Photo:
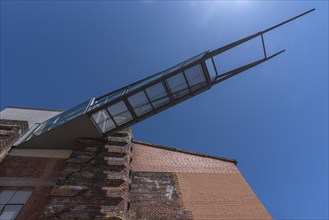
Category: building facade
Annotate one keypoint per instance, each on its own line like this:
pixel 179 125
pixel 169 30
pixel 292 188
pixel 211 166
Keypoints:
pixel 115 178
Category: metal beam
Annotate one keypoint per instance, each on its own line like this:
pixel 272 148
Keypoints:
pixel 243 40
pixel 236 71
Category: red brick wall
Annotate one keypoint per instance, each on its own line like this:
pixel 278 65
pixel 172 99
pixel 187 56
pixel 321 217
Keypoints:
pixel 208 188
pixel 152 159
pixel 31 167
pixel 96 181
pixel 219 196
pixel 34 206
pixel 42 171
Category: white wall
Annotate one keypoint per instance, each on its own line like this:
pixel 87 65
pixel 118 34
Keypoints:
pixel 30 115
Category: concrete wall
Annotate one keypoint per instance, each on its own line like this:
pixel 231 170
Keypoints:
pixel 30 115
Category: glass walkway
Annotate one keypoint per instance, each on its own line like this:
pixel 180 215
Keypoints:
pixel 103 116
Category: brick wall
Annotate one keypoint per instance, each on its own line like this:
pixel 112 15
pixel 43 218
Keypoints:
pixel 154 195
pixel 208 188
pixel 38 174
pixel 219 196
pixel 152 159
pixel 115 179
pixel 10 131
pixel 31 167
pixel 95 182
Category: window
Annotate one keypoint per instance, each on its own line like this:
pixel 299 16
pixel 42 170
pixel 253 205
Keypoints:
pixel 178 85
pixel 105 99
pixel 103 120
pixel 195 58
pixel 157 95
pixel 144 82
pixel 195 77
pixel 211 68
pixel 120 113
pixel 140 103
pixel 11 202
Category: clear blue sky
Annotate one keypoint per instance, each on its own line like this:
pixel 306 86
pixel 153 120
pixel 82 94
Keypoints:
pixel 273 119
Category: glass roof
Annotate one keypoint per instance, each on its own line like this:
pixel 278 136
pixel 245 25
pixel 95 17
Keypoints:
pixel 149 96
pixel 62 118
pixel 137 100
pixel 142 99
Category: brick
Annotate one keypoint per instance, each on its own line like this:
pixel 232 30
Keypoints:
pixel 33 167
pixel 155 196
pixel 151 159
pixel 94 183
pixel 10 132
pixel 219 196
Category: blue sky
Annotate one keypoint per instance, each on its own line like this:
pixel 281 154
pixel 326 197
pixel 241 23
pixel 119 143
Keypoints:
pixel 273 118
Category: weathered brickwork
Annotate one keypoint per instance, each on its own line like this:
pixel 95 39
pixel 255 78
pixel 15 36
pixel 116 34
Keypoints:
pixel 116 178
pixel 152 159
pixel 155 196
pixel 95 182
pixel 38 174
pixel 34 206
pixel 209 188
pixel 31 167
pixel 10 131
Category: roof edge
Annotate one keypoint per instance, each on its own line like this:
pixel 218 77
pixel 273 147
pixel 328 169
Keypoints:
pixel 186 151
pixel 32 108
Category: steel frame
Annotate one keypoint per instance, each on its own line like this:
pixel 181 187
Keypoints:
pixel 209 82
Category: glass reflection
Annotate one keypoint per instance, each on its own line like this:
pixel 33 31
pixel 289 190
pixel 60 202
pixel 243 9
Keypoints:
pixel 120 113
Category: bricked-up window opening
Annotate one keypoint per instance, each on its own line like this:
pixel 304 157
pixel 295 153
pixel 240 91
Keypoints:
pixel 11 202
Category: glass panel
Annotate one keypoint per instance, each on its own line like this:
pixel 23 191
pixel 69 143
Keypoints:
pixel 178 85
pixel 45 125
pixel 10 212
pixel 120 113
pixel 20 197
pixel 103 120
pixel 62 118
pixel 71 113
pixel 211 69
pixel 157 95
pixel 172 69
pixel 5 196
pixel 140 103
pixel 101 101
pixel 145 82
pixel 184 63
pixel 197 57
pixel 195 77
